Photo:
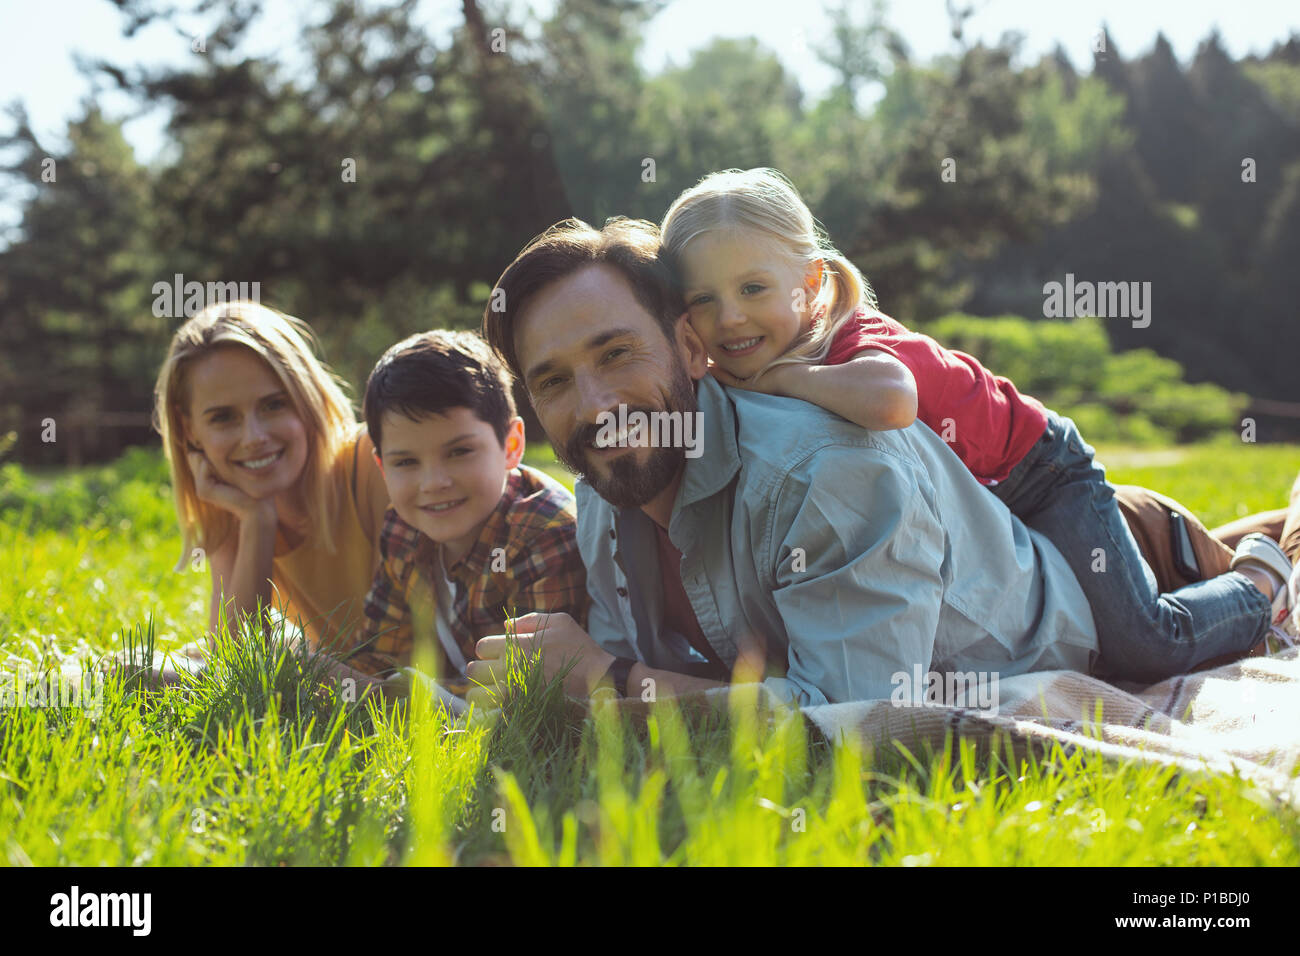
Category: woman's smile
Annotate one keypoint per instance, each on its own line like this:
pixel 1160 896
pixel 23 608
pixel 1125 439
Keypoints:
pixel 261 464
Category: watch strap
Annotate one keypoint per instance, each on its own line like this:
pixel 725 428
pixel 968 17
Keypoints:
pixel 618 672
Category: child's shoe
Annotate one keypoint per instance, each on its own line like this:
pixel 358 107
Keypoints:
pixel 1291 624
pixel 1260 551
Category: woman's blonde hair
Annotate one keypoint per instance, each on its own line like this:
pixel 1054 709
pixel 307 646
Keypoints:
pixel 287 345
pixel 766 201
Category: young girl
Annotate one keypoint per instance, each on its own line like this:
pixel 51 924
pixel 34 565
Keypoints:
pixel 276 483
pixel 780 311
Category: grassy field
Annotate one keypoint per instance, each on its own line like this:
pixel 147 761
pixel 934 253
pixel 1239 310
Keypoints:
pixel 262 763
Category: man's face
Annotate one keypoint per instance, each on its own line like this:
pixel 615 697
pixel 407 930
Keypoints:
pixel 585 345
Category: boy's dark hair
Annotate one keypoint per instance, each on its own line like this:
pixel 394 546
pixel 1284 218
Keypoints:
pixel 629 245
pixel 434 372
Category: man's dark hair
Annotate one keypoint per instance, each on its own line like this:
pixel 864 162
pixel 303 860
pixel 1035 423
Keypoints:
pixel 629 245
pixel 434 372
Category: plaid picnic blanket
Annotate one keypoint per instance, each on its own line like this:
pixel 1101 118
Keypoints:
pixel 1242 717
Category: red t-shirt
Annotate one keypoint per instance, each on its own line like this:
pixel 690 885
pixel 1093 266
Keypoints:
pixel 989 424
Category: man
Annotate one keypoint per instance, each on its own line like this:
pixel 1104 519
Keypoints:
pixel 796 548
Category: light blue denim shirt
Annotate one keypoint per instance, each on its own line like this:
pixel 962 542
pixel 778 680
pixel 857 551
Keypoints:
pixel 850 556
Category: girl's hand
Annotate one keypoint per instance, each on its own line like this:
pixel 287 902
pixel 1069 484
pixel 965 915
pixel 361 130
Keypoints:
pixel 775 382
pixel 214 491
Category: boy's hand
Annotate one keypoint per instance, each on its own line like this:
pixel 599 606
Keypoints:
pixel 560 639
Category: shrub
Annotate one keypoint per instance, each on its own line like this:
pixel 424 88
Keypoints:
pixel 135 489
pixel 1136 397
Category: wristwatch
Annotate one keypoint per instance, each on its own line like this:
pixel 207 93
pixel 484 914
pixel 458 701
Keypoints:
pixel 619 672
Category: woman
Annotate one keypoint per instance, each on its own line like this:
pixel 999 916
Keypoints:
pixel 275 482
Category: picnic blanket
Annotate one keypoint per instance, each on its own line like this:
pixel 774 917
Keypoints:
pixel 1239 718
pixel 1242 717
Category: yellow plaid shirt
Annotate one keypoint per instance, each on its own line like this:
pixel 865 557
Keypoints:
pixel 526 559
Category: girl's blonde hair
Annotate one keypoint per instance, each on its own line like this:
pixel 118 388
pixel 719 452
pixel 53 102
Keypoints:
pixel 287 345
pixel 766 201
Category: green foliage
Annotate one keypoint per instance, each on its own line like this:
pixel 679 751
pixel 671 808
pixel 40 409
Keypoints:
pixel 463 151
pixel 134 491
pixel 1200 208
pixel 1076 127
pixel 1036 356
pixel 1280 81
pixel 1135 397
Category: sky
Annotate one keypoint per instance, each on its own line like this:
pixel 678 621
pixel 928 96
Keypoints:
pixel 42 38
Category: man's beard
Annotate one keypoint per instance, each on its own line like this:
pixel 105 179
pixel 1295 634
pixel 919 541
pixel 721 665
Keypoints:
pixel 630 485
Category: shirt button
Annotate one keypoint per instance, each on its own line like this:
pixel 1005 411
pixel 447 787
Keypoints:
pixel 611 533
pixel 622 592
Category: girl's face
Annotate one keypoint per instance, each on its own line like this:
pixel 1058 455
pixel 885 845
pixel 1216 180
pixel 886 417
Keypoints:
pixel 747 298
pixel 244 421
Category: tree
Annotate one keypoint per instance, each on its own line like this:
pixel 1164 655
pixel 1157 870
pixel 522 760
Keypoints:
pixel 78 339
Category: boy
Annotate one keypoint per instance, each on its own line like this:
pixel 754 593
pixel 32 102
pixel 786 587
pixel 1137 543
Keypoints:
pixel 472 535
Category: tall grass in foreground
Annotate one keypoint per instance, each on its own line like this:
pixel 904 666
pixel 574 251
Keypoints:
pixel 261 761
pixel 300 774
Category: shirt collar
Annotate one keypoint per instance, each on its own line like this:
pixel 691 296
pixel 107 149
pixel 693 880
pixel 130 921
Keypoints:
pixel 719 459
pixel 495 532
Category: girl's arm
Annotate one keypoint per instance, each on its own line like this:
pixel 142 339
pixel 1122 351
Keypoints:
pixel 874 389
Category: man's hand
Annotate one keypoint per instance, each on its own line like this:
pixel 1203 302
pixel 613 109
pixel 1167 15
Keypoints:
pixel 397 687
pixel 560 639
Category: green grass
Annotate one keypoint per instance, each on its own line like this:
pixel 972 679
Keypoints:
pixel 262 762
pixel 1218 481
pixel 541 456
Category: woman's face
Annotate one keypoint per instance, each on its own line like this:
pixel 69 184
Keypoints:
pixel 746 297
pixel 245 422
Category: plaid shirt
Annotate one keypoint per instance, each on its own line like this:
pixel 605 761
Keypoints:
pixel 526 559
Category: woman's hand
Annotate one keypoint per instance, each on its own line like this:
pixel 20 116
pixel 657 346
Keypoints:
pixel 214 491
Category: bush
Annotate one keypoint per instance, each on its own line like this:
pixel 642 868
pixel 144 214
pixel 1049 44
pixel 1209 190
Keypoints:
pixel 1101 425
pixel 1135 397
pixel 135 489
pixel 1041 358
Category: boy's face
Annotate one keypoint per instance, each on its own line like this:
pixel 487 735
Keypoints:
pixel 446 473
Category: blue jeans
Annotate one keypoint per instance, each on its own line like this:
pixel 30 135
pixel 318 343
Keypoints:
pixel 1059 490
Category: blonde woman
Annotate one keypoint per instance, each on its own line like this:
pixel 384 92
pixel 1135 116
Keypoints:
pixel 276 483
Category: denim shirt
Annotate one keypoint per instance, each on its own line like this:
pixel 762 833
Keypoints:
pixel 844 556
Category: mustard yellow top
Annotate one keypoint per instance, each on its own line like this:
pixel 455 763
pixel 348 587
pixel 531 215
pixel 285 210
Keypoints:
pixel 326 592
